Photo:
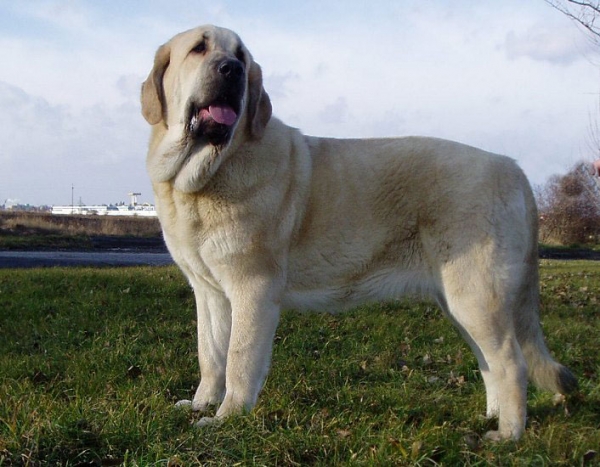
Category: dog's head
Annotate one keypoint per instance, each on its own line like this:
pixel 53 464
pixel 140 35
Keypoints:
pixel 204 94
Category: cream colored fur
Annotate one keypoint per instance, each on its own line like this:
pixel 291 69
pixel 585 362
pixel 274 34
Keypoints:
pixel 275 219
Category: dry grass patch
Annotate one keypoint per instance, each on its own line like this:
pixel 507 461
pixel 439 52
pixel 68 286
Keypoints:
pixel 24 223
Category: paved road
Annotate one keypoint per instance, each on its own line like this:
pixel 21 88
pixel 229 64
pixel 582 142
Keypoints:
pixel 36 259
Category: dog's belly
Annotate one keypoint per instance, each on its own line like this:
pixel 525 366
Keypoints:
pixel 381 285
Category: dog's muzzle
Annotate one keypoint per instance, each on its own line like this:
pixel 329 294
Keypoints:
pixel 215 119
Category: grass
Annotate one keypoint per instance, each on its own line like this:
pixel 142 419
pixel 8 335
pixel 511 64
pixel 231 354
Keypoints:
pixel 92 362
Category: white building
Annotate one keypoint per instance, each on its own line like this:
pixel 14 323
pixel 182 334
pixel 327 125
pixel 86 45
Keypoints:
pixel 133 209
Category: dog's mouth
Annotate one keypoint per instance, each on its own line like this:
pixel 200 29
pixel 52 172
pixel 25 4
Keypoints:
pixel 213 122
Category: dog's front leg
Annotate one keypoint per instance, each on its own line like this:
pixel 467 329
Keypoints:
pixel 214 329
pixel 255 315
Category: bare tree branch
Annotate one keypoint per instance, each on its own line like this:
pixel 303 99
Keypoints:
pixel 584 12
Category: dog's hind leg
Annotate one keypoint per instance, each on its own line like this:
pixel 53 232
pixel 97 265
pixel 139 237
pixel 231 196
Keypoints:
pixel 491 386
pixel 482 313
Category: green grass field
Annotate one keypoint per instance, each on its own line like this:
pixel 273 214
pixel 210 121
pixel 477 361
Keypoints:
pixel 92 362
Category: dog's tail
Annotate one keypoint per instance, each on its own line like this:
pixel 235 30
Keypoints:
pixel 544 371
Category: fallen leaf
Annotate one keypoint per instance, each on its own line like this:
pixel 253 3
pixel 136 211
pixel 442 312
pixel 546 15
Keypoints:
pixel 416 449
pixel 589 456
pixel 134 372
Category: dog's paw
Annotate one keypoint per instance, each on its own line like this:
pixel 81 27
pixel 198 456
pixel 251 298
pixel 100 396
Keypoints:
pixel 202 405
pixel 493 436
pixel 183 404
pixel 195 406
pixel 208 421
pixel 207 396
pixel 497 436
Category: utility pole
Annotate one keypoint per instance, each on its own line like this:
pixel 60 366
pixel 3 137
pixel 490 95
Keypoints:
pixel 72 202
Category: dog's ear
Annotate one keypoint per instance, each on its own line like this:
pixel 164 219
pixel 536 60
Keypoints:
pixel 259 104
pixel 153 95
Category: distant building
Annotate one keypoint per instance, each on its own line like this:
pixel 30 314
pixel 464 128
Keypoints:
pixel 11 203
pixel 120 209
pixel 141 210
pixel 15 205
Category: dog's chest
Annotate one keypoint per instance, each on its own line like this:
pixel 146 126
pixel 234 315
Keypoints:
pixel 202 236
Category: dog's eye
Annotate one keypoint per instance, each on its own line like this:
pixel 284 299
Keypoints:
pixel 200 48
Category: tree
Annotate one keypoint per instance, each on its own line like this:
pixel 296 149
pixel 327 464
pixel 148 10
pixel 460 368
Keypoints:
pixel 584 12
pixel 569 207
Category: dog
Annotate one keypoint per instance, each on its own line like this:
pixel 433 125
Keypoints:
pixel 260 217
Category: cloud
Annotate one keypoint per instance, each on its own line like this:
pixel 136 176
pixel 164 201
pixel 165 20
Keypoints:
pixel 45 148
pixel 335 112
pixel 279 83
pixel 547 43
pixel 70 16
pixel 129 85
pixel 470 71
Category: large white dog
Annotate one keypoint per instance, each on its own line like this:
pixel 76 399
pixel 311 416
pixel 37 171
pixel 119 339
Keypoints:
pixel 260 217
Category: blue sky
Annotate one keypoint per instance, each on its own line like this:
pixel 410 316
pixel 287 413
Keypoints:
pixel 514 77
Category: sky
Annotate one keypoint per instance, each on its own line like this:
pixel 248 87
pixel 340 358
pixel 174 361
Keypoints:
pixel 514 77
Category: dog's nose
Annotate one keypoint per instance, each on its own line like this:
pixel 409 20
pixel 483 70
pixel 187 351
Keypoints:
pixel 231 69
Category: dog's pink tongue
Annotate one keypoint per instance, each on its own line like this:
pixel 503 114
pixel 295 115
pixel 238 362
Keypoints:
pixel 222 114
